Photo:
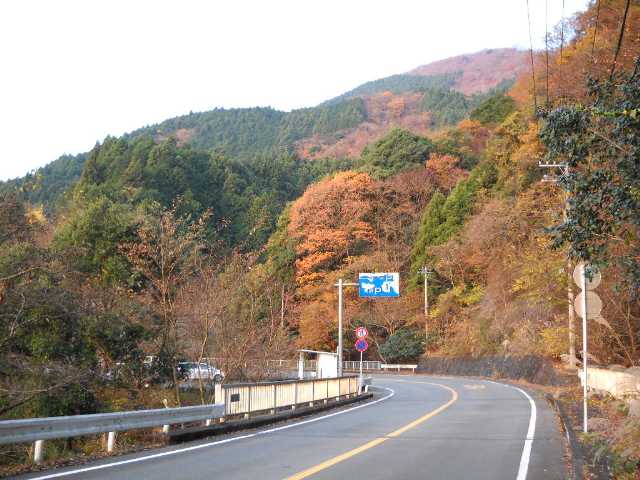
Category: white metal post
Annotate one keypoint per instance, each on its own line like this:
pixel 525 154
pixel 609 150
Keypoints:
pixel 426 306
pixel 340 327
pixel 38 452
pixel 165 428
pixel 584 345
pixel 111 442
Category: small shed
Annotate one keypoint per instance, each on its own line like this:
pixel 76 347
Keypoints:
pixel 326 363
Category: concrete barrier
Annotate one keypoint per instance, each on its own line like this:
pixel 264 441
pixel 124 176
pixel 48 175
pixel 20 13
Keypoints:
pixel 240 398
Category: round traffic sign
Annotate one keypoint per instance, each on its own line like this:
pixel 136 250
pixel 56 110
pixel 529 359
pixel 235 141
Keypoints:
pixel 594 305
pixel 362 345
pixel 592 283
pixel 361 332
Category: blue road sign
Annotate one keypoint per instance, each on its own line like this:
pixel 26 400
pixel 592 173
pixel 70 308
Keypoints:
pixel 361 345
pixel 379 284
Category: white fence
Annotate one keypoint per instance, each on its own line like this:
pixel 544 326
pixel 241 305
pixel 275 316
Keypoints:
pixel 620 384
pixel 247 398
pixel 398 367
pixel 366 365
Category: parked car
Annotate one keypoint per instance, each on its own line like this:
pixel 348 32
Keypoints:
pixel 194 370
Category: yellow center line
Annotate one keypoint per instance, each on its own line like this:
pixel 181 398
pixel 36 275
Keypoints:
pixel 377 441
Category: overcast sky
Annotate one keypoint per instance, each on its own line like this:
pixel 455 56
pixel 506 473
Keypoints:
pixel 72 72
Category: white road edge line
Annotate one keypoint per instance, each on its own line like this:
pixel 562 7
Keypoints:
pixel 528 443
pixel 212 444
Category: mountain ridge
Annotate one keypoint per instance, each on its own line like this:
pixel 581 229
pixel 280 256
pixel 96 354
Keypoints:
pixel 426 98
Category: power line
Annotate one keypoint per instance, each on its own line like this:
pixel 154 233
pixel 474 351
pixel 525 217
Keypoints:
pixel 546 44
pixel 561 31
pixel 533 72
pixel 624 22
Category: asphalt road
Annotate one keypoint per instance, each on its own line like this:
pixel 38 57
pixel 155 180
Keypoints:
pixel 420 427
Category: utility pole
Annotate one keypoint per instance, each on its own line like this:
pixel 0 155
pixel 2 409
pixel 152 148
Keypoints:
pixel 425 272
pixel 340 286
pixel 339 327
pixel 573 362
pixel 282 307
pixel 564 168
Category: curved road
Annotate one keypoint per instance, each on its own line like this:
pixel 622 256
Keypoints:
pixel 420 427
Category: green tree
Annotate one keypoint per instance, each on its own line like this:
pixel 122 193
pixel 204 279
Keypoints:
pixel 404 345
pixel 599 142
pixel 91 238
pixel 494 110
pixel 397 151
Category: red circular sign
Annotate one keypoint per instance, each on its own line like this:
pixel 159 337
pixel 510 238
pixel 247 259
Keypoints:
pixel 361 332
pixel 362 345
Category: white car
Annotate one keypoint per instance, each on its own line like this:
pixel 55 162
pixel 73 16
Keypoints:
pixel 194 370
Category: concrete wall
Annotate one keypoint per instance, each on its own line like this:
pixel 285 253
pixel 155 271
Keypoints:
pixel 618 383
pixel 531 368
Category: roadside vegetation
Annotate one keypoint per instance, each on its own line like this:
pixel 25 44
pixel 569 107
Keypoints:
pixel 166 246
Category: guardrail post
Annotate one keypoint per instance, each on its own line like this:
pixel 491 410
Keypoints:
pixel 313 392
pixel 111 442
pixel 38 452
pixel 295 396
pixel 246 415
pixel 165 428
pixel 275 402
pixel 326 397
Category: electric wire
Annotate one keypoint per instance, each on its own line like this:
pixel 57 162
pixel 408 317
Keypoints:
pixel 624 22
pixel 595 30
pixel 561 31
pixel 533 72
pixel 546 46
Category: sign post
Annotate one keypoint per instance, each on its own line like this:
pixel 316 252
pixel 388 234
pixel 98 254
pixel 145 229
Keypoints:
pixel 584 347
pixel 369 285
pixel 587 305
pixel 340 285
pixel 361 345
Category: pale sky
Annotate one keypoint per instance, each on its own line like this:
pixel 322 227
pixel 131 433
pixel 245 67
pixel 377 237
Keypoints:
pixel 72 72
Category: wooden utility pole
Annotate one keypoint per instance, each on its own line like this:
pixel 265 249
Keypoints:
pixel 564 169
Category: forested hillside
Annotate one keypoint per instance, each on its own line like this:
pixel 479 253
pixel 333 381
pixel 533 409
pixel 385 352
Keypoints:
pixel 221 234
pixel 337 129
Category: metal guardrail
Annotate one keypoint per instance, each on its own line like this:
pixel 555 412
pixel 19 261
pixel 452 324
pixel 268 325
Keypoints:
pixel 239 398
pixel 32 429
pixel 247 398
pixel 366 365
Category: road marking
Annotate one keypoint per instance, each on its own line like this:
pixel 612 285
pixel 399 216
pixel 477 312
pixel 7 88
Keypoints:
pixel 523 469
pixel 212 444
pixel 531 431
pixel 377 441
pixel 474 386
pixel 528 443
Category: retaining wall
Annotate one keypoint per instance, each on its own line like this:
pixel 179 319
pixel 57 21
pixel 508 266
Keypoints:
pixel 530 368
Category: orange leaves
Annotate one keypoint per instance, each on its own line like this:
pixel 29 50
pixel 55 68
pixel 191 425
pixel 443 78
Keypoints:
pixel 444 170
pixel 329 222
